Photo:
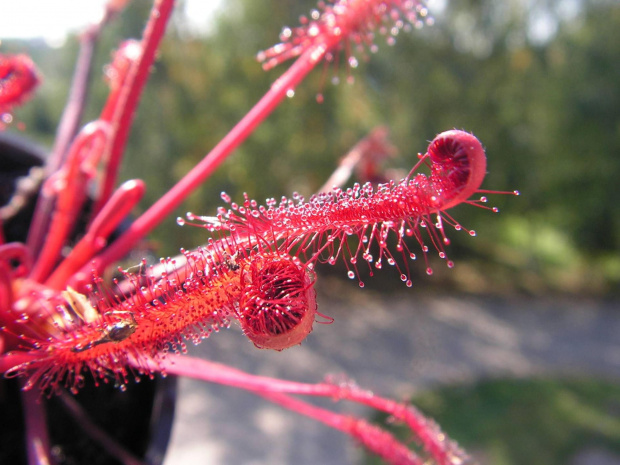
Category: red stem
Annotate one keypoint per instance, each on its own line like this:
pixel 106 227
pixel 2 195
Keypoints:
pixel 107 220
pixel 37 439
pixel 85 153
pixel 371 436
pixel 127 103
pixel 374 438
pixel 132 90
pixel 173 198
pixel 67 128
pixel 434 441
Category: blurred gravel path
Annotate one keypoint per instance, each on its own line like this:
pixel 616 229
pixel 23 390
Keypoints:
pixel 394 346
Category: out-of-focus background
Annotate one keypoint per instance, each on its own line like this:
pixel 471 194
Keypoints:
pixel 537 81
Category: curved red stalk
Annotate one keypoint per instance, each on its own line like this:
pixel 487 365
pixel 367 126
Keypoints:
pixel 70 186
pixel 120 75
pixel 320 229
pixel 131 90
pixel 107 220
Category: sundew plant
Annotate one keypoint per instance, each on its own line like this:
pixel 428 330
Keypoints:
pixel 65 328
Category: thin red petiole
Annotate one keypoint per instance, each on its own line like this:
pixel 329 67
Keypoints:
pixel 37 439
pixel 128 101
pixel 366 152
pixel 70 121
pixel 433 440
pixel 115 210
pixel 374 438
pixel 131 91
pixel 173 198
pixel 70 184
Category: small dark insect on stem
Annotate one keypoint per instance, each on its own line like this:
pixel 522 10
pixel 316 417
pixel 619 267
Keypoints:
pixel 116 332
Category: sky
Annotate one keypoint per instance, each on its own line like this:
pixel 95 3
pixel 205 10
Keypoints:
pixel 53 19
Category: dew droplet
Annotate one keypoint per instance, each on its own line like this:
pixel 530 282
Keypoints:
pixel 361 283
pixel 403 277
pixel 180 221
pixel 290 93
pixel 472 233
pixel 225 197
pixel 409 283
pixel 429 271
pixel 351 274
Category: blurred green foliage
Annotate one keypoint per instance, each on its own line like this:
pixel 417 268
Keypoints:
pixel 528 421
pixel 538 83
